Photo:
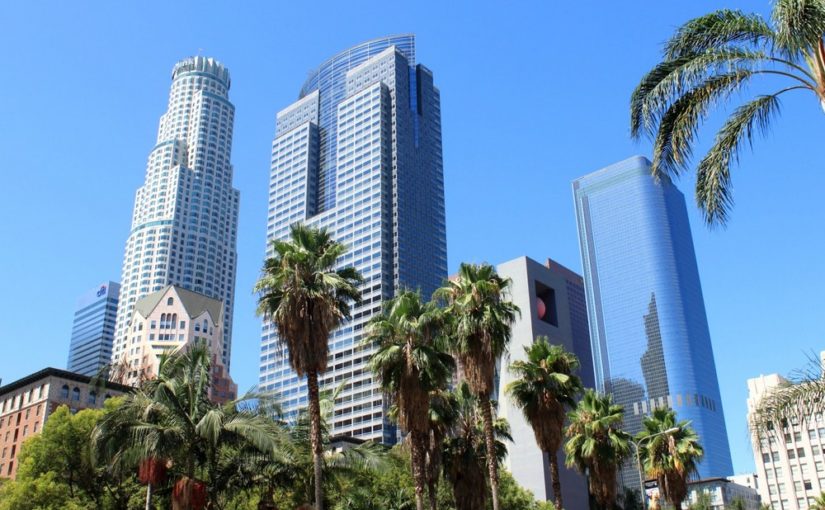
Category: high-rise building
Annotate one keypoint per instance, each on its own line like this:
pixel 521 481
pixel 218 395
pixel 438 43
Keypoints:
pixel 185 220
pixel 790 461
pixel 360 154
pixel 93 330
pixel 27 403
pixel 648 329
pixel 168 321
pixel 552 304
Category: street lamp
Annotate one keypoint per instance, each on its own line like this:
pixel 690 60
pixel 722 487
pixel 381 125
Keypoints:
pixel 636 444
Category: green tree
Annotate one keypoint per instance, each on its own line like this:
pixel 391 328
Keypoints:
pixel 465 450
pixel 43 492
pixel 303 294
pixel 670 452
pixel 708 60
pixel 410 364
pixel 818 502
pixel 481 321
pixel 171 419
pixel 597 445
pixel 704 501
pixel 545 387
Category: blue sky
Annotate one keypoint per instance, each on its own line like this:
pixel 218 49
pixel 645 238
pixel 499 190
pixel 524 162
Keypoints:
pixel 534 94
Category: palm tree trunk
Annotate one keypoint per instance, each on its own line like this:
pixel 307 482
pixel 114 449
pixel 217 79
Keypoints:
pixel 554 479
pixel 433 492
pixel 149 496
pixel 417 447
pixel 489 439
pixel 316 439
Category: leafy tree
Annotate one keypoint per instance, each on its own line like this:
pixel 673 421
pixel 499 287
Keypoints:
pixel 465 450
pixel 597 445
pixel 818 502
pixel 670 452
pixel 481 321
pixel 704 63
pixel 43 492
pixel 303 294
pixel 410 365
pixel 171 419
pixel 704 501
pixel 545 387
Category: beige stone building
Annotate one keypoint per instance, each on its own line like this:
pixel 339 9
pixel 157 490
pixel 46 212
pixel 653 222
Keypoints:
pixel 169 320
pixel 790 463
pixel 26 404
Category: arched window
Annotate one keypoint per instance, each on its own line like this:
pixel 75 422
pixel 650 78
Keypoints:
pixel 170 301
pixel 76 394
pixel 205 325
pixel 174 320
pixel 92 398
pixel 64 391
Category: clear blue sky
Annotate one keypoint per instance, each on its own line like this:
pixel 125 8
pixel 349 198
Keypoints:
pixel 534 94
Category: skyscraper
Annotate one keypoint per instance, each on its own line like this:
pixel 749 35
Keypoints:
pixel 551 300
pixel 93 330
pixel 185 220
pixel 649 332
pixel 360 154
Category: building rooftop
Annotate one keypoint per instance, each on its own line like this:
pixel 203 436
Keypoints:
pixel 64 374
pixel 194 303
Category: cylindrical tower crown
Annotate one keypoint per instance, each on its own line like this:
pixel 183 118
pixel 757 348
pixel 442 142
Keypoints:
pixel 200 64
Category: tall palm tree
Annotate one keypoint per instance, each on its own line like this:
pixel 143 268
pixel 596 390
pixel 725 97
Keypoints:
pixel 481 320
pixel 670 457
pixel 171 419
pixel 410 364
pixel 442 416
pixel 545 387
pixel 465 451
pixel 306 298
pixel 597 445
pixel 704 63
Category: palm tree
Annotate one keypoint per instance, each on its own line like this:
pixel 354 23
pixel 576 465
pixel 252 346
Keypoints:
pixel 818 503
pixel 170 420
pixel 545 387
pixel 597 445
pixel 465 451
pixel 481 320
pixel 410 365
pixel 303 294
pixel 442 416
pixel 704 63
pixel 669 451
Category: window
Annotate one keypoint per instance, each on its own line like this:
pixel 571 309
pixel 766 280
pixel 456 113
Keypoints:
pixel 170 301
pixel 76 394
pixel 64 391
pixel 807 485
pixel 92 399
pixel 812 434
pixel 791 454
pixel 766 457
pixel 797 436
pixel 800 452
pixel 182 324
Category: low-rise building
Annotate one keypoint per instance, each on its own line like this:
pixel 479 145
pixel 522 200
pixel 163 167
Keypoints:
pixel 724 493
pixel 169 320
pixel 26 404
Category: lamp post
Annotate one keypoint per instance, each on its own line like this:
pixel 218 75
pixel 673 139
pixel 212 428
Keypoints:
pixel 636 445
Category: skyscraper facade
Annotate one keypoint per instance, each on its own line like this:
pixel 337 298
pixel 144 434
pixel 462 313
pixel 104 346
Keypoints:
pixel 551 300
pixel 93 330
pixel 360 154
pixel 185 220
pixel 648 329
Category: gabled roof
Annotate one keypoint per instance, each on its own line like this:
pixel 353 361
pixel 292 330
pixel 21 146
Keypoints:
pixel 193 302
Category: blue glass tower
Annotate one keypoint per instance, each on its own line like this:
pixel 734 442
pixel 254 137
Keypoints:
pixel 648 329
pixel 93 330
pixel 359 153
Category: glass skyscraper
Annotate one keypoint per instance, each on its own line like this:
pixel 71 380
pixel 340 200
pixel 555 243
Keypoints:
pixel 648 329
pixel 185 220
pixel 93 330
pixel 359 153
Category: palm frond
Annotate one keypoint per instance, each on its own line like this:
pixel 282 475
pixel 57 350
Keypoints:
pixel 800 24
pixel 717 30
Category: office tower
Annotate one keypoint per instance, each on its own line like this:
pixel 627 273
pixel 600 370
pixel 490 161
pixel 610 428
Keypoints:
pixel 790 462
pixel 648 329
pixel 185 220
pixel 172 319
pixel 93 330
pixel 360 154
pixel 551 300
pixel 26 404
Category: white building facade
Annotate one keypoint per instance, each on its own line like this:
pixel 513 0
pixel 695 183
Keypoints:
pixel 790 462
pixel 185 219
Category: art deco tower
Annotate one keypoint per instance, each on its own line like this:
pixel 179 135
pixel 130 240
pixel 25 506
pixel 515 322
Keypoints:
pixel 360 154
pixel 185 220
